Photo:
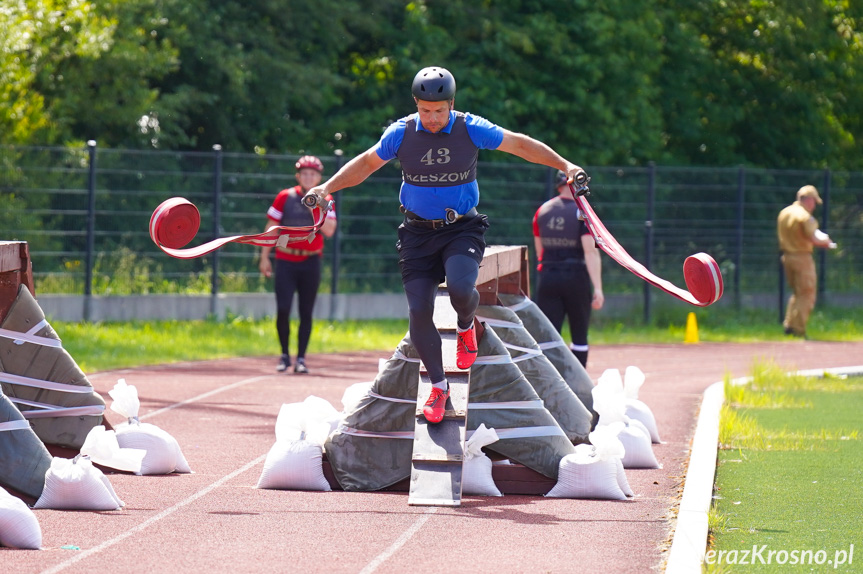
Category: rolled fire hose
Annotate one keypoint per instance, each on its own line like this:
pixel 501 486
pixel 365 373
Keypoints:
pixel 176 222
pixel 700 271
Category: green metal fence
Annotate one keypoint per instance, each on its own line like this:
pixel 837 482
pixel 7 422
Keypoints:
pixel 85 214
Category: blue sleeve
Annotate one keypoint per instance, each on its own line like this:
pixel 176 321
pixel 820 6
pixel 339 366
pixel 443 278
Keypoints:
pixel 391 141
pixel 483 133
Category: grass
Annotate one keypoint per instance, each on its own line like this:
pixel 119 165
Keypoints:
pixel 102 346
pixel 788 472
pixel 721 325
pixel 111 345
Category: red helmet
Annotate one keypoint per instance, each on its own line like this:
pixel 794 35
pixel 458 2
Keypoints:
pixel 311 162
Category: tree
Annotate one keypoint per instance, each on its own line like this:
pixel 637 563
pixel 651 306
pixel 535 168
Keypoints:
pixel 762 83
pixel 74 70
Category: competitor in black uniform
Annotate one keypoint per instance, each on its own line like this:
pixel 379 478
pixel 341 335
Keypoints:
pixel 298 266
pixel 569 265
pixel 442 236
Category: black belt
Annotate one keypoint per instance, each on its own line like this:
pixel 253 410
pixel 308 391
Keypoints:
pixel 415 220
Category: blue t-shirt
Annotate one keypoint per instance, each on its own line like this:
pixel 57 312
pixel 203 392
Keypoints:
pixel 431 202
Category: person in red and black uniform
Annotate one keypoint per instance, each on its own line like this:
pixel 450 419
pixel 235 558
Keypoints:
pixel 298 266
pixel 569 274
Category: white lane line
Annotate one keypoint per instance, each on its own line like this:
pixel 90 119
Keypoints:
pixel 400 541
pixel 206 395
pixel 154 519
pixel 171 510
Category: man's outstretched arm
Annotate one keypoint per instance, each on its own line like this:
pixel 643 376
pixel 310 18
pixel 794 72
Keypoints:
pixel 352 173
pixel 535 151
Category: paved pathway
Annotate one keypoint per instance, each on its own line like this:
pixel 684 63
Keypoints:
pixel 223 415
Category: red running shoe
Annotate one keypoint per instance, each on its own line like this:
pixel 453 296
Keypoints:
pixel 435 406
pixel 465 349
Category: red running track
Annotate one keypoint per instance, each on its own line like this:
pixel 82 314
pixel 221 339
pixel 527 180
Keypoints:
pixel 223 414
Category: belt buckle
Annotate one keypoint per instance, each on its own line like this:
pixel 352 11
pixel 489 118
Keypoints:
pixel 451 216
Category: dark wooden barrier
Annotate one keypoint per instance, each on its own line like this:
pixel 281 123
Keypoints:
pixel 15 270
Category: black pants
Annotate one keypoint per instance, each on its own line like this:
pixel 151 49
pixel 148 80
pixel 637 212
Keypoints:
pixel 426 258
pixel 566 291
pixel 302 278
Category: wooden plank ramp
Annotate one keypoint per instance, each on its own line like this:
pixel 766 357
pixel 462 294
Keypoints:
pixel 438 453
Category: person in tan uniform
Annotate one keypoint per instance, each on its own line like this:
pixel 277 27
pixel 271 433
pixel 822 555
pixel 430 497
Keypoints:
pixel 798 233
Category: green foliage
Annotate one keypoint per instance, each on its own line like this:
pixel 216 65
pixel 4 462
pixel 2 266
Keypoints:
pixel 762 83
pixel 673 81
pixel 78 70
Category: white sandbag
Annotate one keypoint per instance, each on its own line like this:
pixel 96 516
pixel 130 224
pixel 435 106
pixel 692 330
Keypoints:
pixel 594 470
pixel 476 478
pixel 18 525
pixel 163 453
pixel 609 400
pixel 633 379
pixel 295 461
pixel 637 424
pixel 75 484
pixel 102 448
pixel 312 420
pixel 354 394
pixel 639 451
pixel 638 411
pixel 622 481
pixel 126 402
pixel 294 465
pixel 581 476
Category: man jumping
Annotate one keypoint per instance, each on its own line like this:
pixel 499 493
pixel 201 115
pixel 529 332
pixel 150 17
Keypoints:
pixel 442 236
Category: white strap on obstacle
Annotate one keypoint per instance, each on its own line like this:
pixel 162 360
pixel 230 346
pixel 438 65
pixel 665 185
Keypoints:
pixel 370 434
pixel 523 357
pixel 500 323
pixel 391 399
pixel 553 344
pixel 14 425
pixel 30 337
pixel 526 350
pixel 493 360
pixel 534 404
pixel 527 432
pixel 40 384
pixel 85 411
pixel 510 433
pixel 399 355
pixel 523 304
pixel 51 411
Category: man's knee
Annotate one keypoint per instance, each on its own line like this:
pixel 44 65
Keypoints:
pixel 461 291
pixel 420 310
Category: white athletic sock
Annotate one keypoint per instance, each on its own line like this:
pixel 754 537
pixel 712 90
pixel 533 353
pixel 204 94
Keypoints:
pixel 460 330
pixel 443 385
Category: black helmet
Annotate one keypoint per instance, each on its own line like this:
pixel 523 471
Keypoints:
pixel 433 85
